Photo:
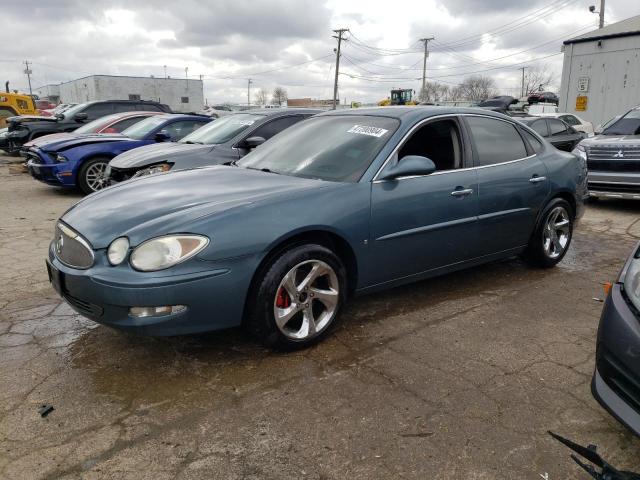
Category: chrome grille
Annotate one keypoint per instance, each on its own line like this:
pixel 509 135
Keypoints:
pixel 612 152
pixel 71 249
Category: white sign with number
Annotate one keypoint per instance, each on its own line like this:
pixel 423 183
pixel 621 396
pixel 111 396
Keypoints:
pixel 583 84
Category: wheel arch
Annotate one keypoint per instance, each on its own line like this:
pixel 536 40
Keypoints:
pixel 318 235
pixel 93 155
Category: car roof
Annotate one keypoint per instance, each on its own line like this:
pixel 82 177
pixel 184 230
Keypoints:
pixel 185 116
pixel 275 112
pixel 407 113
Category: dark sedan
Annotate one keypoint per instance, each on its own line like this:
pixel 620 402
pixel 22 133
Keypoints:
pixel 543 97
pixel 559 134
pixel 616 381
pixel 346 202
pixel 224 141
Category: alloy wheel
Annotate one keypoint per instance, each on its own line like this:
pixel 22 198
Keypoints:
pixel 556 233
pixel 96 176
pixel 306 300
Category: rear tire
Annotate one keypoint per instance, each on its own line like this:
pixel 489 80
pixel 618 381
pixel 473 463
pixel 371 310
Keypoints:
pixel 91 177
pixel 297 298
pixel 551 238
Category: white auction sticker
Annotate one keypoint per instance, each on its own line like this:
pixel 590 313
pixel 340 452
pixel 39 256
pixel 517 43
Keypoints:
pixel 365 130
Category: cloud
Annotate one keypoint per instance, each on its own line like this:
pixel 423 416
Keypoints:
pixel 228 41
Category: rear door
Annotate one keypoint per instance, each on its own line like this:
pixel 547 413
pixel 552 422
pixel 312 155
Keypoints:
pixel 512 183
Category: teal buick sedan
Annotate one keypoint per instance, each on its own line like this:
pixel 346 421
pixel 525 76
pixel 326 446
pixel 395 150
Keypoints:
pixel 341 204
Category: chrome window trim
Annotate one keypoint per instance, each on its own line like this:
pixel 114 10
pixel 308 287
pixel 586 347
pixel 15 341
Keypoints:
pixel 76 236
pixel 442 172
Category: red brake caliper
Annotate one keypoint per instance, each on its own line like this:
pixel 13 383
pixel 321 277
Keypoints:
pixel 282 299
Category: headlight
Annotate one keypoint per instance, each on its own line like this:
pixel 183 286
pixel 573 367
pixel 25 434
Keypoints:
pixel 164 252
pixel 632 282
pixel 163 167
pixel 117 251
pixel 61 159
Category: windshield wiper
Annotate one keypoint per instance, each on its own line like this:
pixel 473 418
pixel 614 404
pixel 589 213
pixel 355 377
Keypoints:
pixel 266 170
pixel 191 142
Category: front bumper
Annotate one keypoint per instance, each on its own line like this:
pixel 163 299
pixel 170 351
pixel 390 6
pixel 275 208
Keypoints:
pixel 48 171
pixel 616 381
pixel 614 185
pixel 213 292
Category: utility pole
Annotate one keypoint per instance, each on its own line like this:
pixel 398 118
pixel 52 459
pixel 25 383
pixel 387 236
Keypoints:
pixel 601 23
pixel 165 72
pixel 424 65
pixel 522 92
pixel 28 73
pixel 249 82
pixel 340 32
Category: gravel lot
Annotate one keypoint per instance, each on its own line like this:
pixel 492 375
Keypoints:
pixel 453 378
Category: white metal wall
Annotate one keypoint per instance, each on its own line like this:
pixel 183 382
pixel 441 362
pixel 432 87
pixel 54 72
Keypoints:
pixel 613 69
pixel 163 90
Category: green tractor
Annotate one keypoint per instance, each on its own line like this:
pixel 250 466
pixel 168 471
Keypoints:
pixel 399 96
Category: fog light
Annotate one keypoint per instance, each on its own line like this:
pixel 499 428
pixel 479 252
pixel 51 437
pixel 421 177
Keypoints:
pixel 141 312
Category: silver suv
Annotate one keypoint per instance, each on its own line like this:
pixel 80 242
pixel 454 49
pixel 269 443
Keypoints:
pixel 613 158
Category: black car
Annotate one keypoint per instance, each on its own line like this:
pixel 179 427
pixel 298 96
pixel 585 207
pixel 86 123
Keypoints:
pixel 616 380
pixel 558 133
pixel 225 140
pixel 543 97
pixel 23 129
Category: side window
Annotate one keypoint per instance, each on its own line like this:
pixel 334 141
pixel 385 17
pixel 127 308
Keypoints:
pixel 496 141
pixel 273 127
pixel 125 123
pixel 124 107
pixel 570 120
pixel 98 110
pixel 540 127
pixel 533 141
pixel 440 141
pixel 177 130
pixel 146 107
pixel 556 127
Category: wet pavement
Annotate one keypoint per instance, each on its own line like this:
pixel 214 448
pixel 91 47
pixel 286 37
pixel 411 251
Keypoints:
pixel 456 377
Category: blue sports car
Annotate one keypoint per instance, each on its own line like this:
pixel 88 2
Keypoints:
pixel 82 161
pixel 346 202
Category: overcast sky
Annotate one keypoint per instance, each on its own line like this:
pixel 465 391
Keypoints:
pixel 228 41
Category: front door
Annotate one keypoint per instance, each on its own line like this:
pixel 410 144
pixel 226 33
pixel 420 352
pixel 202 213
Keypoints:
pixel 425 222
pixel 512 183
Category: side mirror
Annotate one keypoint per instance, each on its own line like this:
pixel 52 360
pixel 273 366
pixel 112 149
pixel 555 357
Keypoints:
pixel 409 166
pixel 162 137
pixel 252 142
pixel 80 117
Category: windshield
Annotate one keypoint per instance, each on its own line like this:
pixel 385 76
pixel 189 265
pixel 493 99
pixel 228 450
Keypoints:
pixel 97 125
pixel 628 124
pixel 68 114
pixel 141 129
pixel 222 130
pixel 334 148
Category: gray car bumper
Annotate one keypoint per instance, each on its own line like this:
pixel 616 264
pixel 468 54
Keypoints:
pixel 614 185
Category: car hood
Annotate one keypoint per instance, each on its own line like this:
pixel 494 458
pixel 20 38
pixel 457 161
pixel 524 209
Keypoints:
pixel 47 139
pixel 612 141
pixel 31 119
pixel 175 202
pixel 158 153
pixel 78 140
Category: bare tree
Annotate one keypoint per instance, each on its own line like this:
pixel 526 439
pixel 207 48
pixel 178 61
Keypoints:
pixel 537 78
pixel 279 96
pixel 433 92
pixel 262 97
pixel 477 88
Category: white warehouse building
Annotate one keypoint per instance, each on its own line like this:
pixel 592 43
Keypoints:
pixel 181 94
pixel 601 72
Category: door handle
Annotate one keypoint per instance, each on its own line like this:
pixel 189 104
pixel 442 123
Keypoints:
pixel 537 179
pixel 462 192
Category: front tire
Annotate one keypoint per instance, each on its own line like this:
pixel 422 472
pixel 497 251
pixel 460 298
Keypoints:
pixel 91 176
pixel 552 236
pixel 297 299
